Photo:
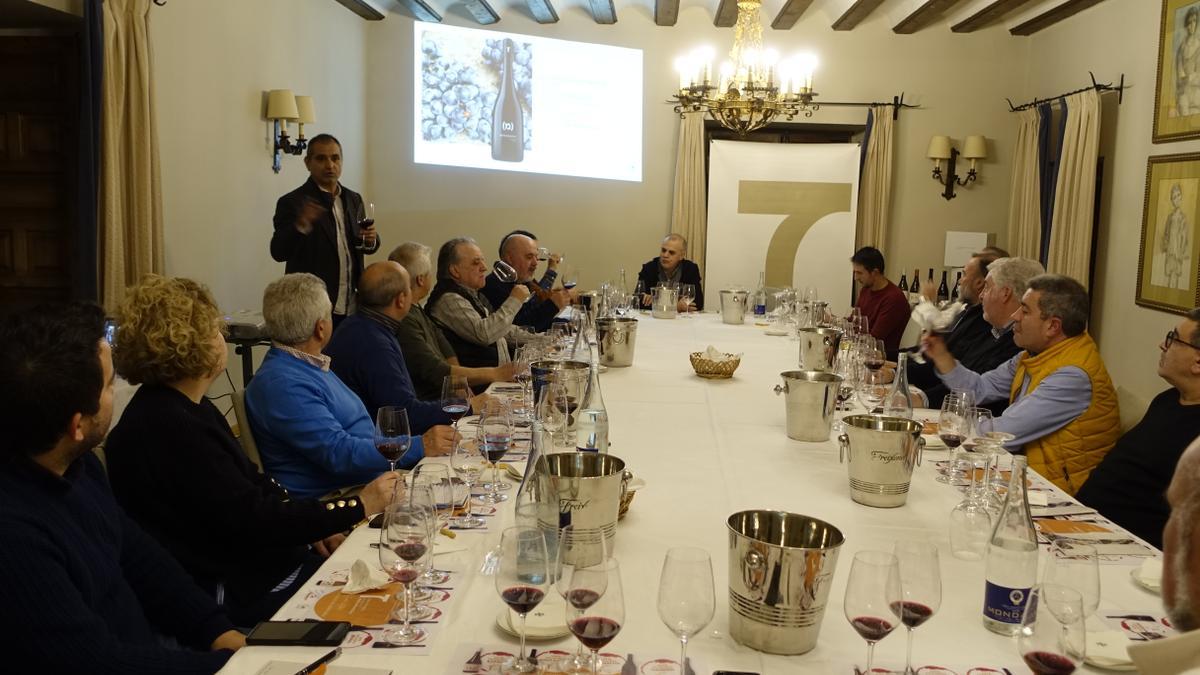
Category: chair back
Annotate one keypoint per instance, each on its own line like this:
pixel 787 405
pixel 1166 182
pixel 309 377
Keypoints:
pixel 245 434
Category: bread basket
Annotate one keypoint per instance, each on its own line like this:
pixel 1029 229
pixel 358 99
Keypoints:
pixel 714 370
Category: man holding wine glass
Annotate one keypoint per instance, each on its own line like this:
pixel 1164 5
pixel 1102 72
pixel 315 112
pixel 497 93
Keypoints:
pixel 521 253
pixel 672 267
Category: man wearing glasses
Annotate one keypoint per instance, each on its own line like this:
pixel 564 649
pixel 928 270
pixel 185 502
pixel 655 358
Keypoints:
pixel 1128 486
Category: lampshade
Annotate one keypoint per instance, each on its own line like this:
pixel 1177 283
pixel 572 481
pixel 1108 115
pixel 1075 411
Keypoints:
pixel 281 105
pixel 308 115
pixel 939 148
pixel 975 147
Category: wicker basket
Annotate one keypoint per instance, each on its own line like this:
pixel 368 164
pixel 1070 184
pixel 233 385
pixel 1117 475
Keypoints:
pixel 627 498
pixel 712 369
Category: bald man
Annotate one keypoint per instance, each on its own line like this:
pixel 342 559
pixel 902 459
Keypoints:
pixel 366 355
pixel 521 253
pixel 672 266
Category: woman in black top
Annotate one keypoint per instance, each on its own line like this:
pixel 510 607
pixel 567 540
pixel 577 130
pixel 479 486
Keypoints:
pixel 176 467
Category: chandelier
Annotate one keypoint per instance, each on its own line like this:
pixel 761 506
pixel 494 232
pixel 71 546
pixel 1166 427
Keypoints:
pixel 754 87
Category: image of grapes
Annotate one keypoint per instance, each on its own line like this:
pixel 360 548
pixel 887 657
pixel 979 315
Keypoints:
pixel 461 83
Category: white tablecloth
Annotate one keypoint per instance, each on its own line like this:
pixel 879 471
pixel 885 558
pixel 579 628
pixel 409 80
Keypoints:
pixel 707 449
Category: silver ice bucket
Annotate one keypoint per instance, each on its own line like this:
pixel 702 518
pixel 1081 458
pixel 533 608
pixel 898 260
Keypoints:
pixel 573 375
pixel 616 338
pixel 780 570
pixel 589 487
pixel 810 402
pixel 733 306
pixel 880 453
pixel 818 348
pixel 663 302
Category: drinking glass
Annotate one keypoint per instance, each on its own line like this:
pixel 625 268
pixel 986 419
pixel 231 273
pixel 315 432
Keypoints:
pixel 552 407
pixel 468 463
pixel 971 521
pixel 1052 639
pixel 920 587
pixel 420 496
pixel 871 388
pixel 368 220
pixel 522 579
pixel 570 276
pixel 579 549
pixel 596 606
pixel 1074 564
pixel 953 425
pixel 455 395
pixel 981 424
pixel 872 593
pixel 686 600
pixel 392 436
pixel 872 353
pixel 404 544
pixel 687 293
pixel 523 359
pixel 494 434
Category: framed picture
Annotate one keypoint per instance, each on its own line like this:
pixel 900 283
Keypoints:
pixel 1177 90
pixel 1168 274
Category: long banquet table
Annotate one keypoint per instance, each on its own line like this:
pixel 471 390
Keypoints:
pixel 707 449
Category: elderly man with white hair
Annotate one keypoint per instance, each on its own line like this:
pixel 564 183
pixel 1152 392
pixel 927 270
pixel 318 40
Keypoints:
pixel 313 433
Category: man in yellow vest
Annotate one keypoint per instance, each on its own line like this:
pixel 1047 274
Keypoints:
pixel 1062 406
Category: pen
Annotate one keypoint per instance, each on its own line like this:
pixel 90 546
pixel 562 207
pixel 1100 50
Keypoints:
pixel 320 662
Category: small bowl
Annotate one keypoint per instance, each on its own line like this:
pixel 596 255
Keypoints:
pixel 714 370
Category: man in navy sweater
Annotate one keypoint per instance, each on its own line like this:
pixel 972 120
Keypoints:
pixel 88 590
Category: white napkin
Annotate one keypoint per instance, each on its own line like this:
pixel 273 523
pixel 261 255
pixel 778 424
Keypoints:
pixel 929 317
pixel 1107 649
pixel 719 357
pixel 363 577
pixel 1150 573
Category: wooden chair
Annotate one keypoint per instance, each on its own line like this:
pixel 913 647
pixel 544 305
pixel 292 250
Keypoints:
pixel 245 435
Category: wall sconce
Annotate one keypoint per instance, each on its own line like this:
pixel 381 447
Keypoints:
pixel 941 149
pixel 282 106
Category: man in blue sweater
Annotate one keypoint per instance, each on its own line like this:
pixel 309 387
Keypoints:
pixel 314 434
pixel 88 590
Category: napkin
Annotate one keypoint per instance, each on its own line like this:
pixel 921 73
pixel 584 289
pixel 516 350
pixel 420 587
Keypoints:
pixel 364 578
pixel 1107 649
pixel 719 357
pixel 1150 573
pixel 930 318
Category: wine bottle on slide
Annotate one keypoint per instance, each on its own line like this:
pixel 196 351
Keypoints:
pixel 508 123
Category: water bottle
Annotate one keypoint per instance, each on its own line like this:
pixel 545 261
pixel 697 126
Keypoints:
pixel 897 403
pixel 760 296
pixel 1012 558
pixel 591 422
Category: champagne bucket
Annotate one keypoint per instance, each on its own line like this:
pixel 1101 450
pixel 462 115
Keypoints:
pixel 573 375
pixel 663 302
pixel 589 487
pixel 616 338
pixel 811 397
pixel 880 453
pixel 780 571
pixel 818 348
pixel 733 306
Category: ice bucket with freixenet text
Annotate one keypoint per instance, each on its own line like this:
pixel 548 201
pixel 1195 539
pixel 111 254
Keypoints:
pixel 780 571
pixel 880 453
pixel 589 487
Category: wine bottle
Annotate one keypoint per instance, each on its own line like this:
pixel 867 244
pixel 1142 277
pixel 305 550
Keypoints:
pixel 591 426
pixel 954 291
pixel 629 667
pixel 760 296
pixel 508 122
pixel 897 403
pixel 915 288
pixel 904 284
pixel 943 289
pixel 1012 558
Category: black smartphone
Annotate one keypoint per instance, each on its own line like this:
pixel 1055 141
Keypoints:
pixel 299 633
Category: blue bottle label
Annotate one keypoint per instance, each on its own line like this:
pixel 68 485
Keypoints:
pixel 1006 605
pixel 760 310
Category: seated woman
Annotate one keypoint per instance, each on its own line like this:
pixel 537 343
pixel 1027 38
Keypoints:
pixel 176 467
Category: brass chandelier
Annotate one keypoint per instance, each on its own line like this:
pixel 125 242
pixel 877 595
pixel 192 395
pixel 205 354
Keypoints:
pixel 754 86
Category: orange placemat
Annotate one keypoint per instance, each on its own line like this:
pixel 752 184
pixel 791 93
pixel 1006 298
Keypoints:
pixel 1068 527
pixel 371 608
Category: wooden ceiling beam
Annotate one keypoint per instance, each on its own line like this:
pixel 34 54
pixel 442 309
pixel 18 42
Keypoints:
pixel 603 11
pixel 850 13
pixel 422 10
pixel 790 13
pixel 666 12
pixel 918 14
pixel 1044 16
pixel 366 10
pixel 542 11
pixel 481 11
pixel 981 13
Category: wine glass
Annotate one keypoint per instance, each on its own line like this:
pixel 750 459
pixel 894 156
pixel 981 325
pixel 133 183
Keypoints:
pixel 570 277
pixel 953 425
pixel 494 434
pixel 981 424
pixel 872 591
pixel 368 220
pixel 871 388
pixel 468 463
pixel 552 407
pixel 595 606
pixel 872 353
pixel 579 549
pixel 392 436
pixel 404 543
pixel 1052 639
pixel 455 397
pixel 437 478
pixel 523 360
pixel 686 600
pixel 522 579
pixel 1075 564
pixel 971 520
pixel 421 496
pixel 920 587
pixel 639 294
pixel 687 293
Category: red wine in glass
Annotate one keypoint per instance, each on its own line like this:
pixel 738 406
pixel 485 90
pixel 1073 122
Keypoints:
pixel 455 411
pixel 952 440
pixel 1048 663
pixel 405 575
pixel 582 598
pixel 495 446
pixel 872 628
pixel 522 599
pixel 912 614
pixel 569 284
pixel 391 449
pixel 873 363
pixel 411 551
pixel 594 631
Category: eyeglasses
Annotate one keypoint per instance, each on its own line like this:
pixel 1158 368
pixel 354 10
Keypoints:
pixel 1173 336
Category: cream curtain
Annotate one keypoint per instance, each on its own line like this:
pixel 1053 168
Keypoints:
pixel 689 215
pixel 875 186
pixel 1075 195
pixel 131 238
pixel 1024 204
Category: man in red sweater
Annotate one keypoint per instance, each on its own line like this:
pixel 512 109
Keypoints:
pixel 881 301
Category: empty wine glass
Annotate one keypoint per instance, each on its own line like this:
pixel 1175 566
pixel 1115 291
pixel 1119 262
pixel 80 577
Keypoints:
pixel 686 600
pixel 596 606
pixel 392 436
pixel 970 520
pixel 872 591
pixel 468 463
pixel 522 580
pixel 871 388
pixel 920 587
pixel 1052 639
pixel 552 407
pixel 687 294
pixel 494 435
pixel 404 543
pixel 1074 564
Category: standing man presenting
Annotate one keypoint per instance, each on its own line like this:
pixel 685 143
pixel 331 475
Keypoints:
pixel 321 227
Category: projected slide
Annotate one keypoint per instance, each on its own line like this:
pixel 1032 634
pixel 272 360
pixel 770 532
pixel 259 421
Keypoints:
pixel 512 102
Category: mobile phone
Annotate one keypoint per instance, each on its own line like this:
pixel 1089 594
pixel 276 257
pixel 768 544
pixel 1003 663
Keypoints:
pixel 299 633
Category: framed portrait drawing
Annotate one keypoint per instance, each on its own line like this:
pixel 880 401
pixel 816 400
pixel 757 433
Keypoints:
pixel 1168 275
pixel 1177 90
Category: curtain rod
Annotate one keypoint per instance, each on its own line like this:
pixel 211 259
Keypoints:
pixel 896 104
pixel 1120 89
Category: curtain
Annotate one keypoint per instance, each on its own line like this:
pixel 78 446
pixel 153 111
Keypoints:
pixel 1070 249
pixel 875 184
pixel 689 215
pixel 130 191
pixel 1024 203
pixel 91 71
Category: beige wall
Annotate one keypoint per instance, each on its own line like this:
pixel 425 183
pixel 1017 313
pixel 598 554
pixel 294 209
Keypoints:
pixel 1060 59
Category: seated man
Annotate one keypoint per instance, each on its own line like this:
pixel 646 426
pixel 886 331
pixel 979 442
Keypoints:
pixel 982 338
pixel 521 253
pixel 478 332
pixel 671 266
pixel 552 261
pixel 366 355
pixel 427 352
pixel 313 433
pixel 89 591
pixel 1129 484
pixel 883 303
pixel 1181 577
pixel 1062 406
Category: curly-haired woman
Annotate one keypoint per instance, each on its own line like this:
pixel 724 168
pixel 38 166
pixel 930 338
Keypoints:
pixel 176 467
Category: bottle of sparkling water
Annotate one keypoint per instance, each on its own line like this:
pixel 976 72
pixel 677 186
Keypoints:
pixel 897 403
pixel 591 422
pixel 760 295
pixel 1012 558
